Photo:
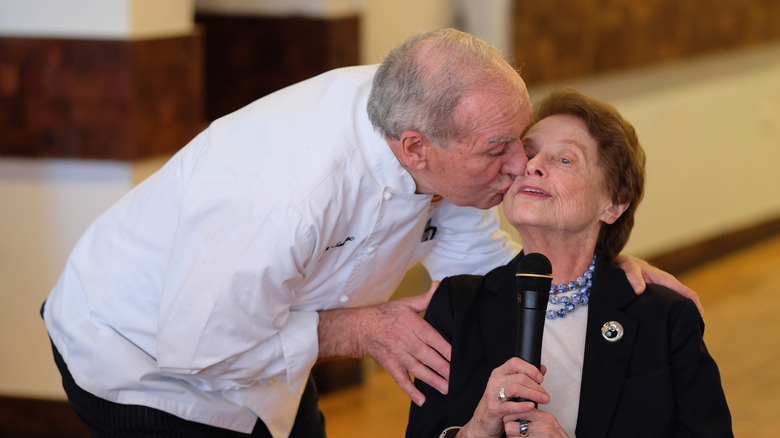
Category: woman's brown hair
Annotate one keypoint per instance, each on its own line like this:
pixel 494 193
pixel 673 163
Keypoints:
pixel 621 158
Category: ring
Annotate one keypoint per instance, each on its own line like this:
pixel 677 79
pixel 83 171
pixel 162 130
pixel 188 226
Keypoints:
pixel 502 394
pixel 523 428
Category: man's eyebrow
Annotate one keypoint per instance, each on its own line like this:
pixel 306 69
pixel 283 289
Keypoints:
pixel 501 139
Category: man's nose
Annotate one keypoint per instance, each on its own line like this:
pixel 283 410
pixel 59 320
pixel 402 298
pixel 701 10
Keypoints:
pixel 515 160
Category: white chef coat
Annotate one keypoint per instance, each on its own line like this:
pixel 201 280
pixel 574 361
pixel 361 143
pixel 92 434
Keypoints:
pixel 197 293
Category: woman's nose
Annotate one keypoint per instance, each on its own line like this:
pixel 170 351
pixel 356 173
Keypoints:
pixel 534 167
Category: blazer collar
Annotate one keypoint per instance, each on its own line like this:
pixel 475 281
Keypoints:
pixel 498 313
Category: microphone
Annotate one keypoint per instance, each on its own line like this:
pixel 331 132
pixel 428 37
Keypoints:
pixel 533 281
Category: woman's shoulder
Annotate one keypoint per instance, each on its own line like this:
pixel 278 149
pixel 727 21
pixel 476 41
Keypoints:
pixel 654 300
pixel 452 296
pixel 659 303
pixel 457 289
pixel 663 293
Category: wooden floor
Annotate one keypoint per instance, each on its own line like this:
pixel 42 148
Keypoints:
pixel 740 296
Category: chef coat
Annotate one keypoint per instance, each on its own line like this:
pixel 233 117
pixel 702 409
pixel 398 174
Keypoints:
pixel 197 293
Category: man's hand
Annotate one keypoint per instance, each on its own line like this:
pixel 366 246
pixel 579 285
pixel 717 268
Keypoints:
pixel 395 336
pixel 639 272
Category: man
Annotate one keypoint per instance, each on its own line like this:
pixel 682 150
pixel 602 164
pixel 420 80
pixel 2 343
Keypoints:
pixel 201 300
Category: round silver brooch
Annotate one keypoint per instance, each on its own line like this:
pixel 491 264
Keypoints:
pixel 612 331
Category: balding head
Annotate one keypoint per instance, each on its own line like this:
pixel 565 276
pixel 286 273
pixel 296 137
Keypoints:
pixel 420 84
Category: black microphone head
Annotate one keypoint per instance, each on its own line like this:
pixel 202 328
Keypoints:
pixel 533 279
pixel 534 272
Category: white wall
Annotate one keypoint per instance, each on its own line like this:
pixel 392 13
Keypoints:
pixel 710 128
pixel 46 205
pixel 385 24
pixel 104 19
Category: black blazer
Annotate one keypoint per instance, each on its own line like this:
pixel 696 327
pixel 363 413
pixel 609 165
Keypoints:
pixel 658 381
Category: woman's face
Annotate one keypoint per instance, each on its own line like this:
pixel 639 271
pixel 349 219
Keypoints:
pixel 563 186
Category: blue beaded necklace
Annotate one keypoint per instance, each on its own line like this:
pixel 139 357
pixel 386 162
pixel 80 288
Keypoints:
pixel 580 293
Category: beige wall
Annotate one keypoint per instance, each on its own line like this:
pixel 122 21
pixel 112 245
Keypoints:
pixel 105 19
pixel 711 130
pixel 710 127
pixel 385 24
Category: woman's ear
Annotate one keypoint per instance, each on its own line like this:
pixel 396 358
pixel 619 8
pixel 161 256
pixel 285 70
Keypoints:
pixel 613 212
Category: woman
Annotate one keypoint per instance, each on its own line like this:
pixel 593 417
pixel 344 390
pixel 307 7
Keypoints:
pixel 647 373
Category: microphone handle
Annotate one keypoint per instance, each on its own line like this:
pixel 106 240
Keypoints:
pixel 531 308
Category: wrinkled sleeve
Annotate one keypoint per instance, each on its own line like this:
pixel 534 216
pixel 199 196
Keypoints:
pixel 468 241
pixel 701 407
pixel 226 320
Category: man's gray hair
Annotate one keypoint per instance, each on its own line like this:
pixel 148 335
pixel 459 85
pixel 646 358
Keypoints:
pixel 421 82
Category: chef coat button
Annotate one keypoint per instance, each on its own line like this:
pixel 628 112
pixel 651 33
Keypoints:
pixel 343 298
pixel 371 249
pixel 388 196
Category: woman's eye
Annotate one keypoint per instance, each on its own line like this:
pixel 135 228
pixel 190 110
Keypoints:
pixel 565 161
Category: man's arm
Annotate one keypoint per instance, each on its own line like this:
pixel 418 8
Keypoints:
pixel 639 273
pixel 395 336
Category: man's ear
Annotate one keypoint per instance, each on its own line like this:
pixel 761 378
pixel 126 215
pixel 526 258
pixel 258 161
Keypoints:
pixel 613 212
pixel 413 150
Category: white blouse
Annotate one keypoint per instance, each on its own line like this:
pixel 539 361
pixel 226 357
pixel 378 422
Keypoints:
pixel 563 352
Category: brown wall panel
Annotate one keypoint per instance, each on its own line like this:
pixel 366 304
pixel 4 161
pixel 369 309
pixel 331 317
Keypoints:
pixel 561 39
pixel 248 57
pixel 102 99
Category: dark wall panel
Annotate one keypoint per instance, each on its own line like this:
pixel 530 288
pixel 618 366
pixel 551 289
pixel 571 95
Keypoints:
pixel 248 57
pixel 562 39
pixel 102 99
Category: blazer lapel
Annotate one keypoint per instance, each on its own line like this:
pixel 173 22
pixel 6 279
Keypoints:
pixel 605 363
pixel 498 314
pixel 483 339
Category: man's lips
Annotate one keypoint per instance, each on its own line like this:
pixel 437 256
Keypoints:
pixel 533 191
pixel 504 191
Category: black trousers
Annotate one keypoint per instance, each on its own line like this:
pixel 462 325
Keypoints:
pixel 113 420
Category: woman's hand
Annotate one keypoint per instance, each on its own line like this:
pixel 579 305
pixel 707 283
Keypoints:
pixel 515 378
pixel 538 424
